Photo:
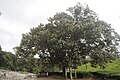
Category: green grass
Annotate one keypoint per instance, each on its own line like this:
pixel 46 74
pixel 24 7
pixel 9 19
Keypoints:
pixel 111 68
pixel 87 68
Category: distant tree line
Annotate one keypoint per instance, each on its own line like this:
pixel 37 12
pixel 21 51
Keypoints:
pixel 6 59
pixel 10 61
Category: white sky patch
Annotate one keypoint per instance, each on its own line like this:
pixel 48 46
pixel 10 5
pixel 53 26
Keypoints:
pixel 21 15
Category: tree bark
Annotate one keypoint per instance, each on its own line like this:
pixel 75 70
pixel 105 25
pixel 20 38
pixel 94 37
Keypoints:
pixel 75 74
pixel 86 66
pixel 71 73
pixel 65 72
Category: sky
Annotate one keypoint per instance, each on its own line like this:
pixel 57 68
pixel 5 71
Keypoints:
pixel 21 15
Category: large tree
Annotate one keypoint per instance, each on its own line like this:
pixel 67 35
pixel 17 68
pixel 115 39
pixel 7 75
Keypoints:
pixel 68 40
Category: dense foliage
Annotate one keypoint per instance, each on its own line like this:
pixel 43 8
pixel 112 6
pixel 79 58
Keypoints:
pixel 9 61
pixel 6 60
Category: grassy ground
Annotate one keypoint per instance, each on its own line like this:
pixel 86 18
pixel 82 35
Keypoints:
pixel 111 68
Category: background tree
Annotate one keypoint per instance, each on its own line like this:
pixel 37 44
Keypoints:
pixel 6 60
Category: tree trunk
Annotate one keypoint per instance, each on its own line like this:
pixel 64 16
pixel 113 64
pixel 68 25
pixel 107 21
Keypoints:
pixel 86 66
pixel 75 74
pixel 65 72
pixel 70 72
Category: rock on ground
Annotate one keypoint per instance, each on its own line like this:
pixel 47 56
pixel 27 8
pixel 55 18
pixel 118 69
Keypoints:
pixel 12 75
